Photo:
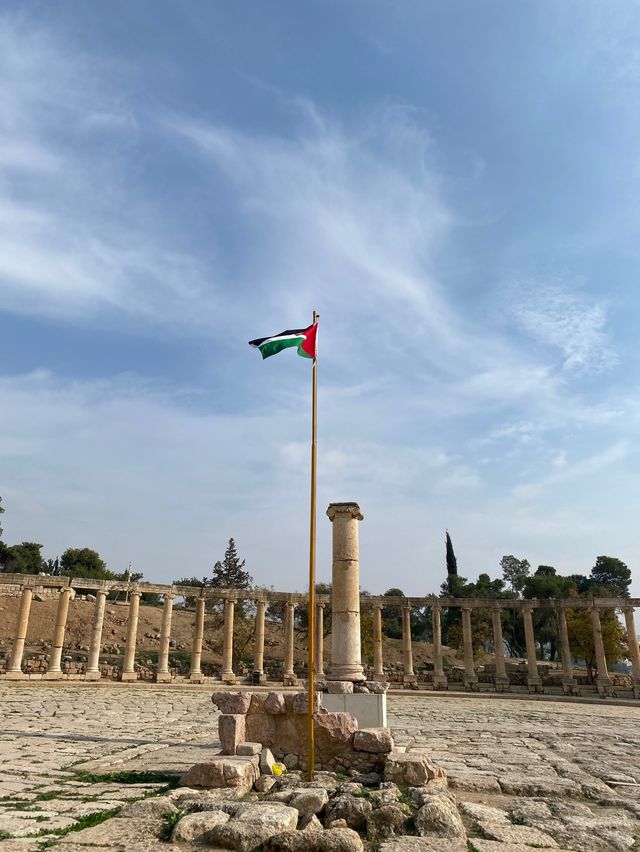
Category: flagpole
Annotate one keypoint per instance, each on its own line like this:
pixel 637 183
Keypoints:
pixel 312 566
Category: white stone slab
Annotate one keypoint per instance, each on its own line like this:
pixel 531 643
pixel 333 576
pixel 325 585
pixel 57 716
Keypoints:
pixel 370 710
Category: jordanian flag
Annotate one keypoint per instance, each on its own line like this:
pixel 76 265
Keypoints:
pixel 304 339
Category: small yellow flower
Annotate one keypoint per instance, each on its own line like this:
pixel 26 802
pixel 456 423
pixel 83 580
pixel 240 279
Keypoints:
pixel 278 768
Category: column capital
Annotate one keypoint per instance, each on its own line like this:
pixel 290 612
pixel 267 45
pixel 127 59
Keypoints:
pixel 135 592
pixel 169 596
pixel 350 509
pixel 320 604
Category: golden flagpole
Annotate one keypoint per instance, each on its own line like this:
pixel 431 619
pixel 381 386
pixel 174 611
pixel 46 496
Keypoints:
pixel 312 565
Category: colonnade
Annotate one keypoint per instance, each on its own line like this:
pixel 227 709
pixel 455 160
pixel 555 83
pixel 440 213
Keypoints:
pixel 406 605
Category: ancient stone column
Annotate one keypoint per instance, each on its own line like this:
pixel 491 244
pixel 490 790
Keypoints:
pixel 346 657
pixel 128 670
pixel 439 677
pixel 603 681
pixel 93 668
pixel 634 649
pixel 195 672
pixel 258 648
pixel 569 683
pixel 407 652
pixel 378 663
pixel 54 669
pixel 227 643
pixel 14 671
pixel 319 649
pixel 163 675
pixel 470 677
pixel 534 681
pixel 289 677
pixel 501 678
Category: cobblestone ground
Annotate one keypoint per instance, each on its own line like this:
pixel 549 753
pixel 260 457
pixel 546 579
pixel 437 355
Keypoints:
pixel 526 773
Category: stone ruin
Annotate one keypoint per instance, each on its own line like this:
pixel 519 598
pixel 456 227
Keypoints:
pixel 364 785
pixel 330 812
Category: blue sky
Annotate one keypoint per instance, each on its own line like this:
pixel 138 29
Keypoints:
pixel 454 186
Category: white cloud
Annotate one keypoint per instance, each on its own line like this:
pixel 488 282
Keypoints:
pixel 558 315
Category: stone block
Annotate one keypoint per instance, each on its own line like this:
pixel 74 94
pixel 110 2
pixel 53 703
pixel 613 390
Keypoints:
pixel 231 730
pixel 260 728
pixel 378 687
pixel 232 702
pixel 339 687
pixel 411 768
pixel 301 702
pixel 222 771
pixel 247 749
pixel 258 700
pixel 333 732
pixel 370 710
pixel 266 761
pixel 252 825
pixel 373 740
pixel 193 827
pixel 440 816
pixel 309 801
pixel 275 703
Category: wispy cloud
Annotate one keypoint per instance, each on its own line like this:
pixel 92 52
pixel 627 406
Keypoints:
pixel 559 315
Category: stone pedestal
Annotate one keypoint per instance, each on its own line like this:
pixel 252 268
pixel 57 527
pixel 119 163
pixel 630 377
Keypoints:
pixel 346 658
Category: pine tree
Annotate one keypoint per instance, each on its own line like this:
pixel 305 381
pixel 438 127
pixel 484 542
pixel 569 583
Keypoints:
pixel 229 573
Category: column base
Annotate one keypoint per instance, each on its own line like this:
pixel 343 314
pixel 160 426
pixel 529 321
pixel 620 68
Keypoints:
pixel 409 678
pixel 128 677
pixel 440 681
pixel 14 675
pixel 352 672
pixel 534 684
pixel 163 677
pixel 92 676
pixel 259 677
pixel 53 675
pixel 196 677
pixel 290 680
pixel 228 677
pixel 501 683
pixel 636 689
pixel 380 677
pixel 604 686
pixel 470 682
pixel 570 686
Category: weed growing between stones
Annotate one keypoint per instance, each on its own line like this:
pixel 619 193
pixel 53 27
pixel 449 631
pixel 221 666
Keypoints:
pixel 87 821
pixel 170 781
pixel 170 821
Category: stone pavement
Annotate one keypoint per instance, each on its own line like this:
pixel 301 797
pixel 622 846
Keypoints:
pixel 526 773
